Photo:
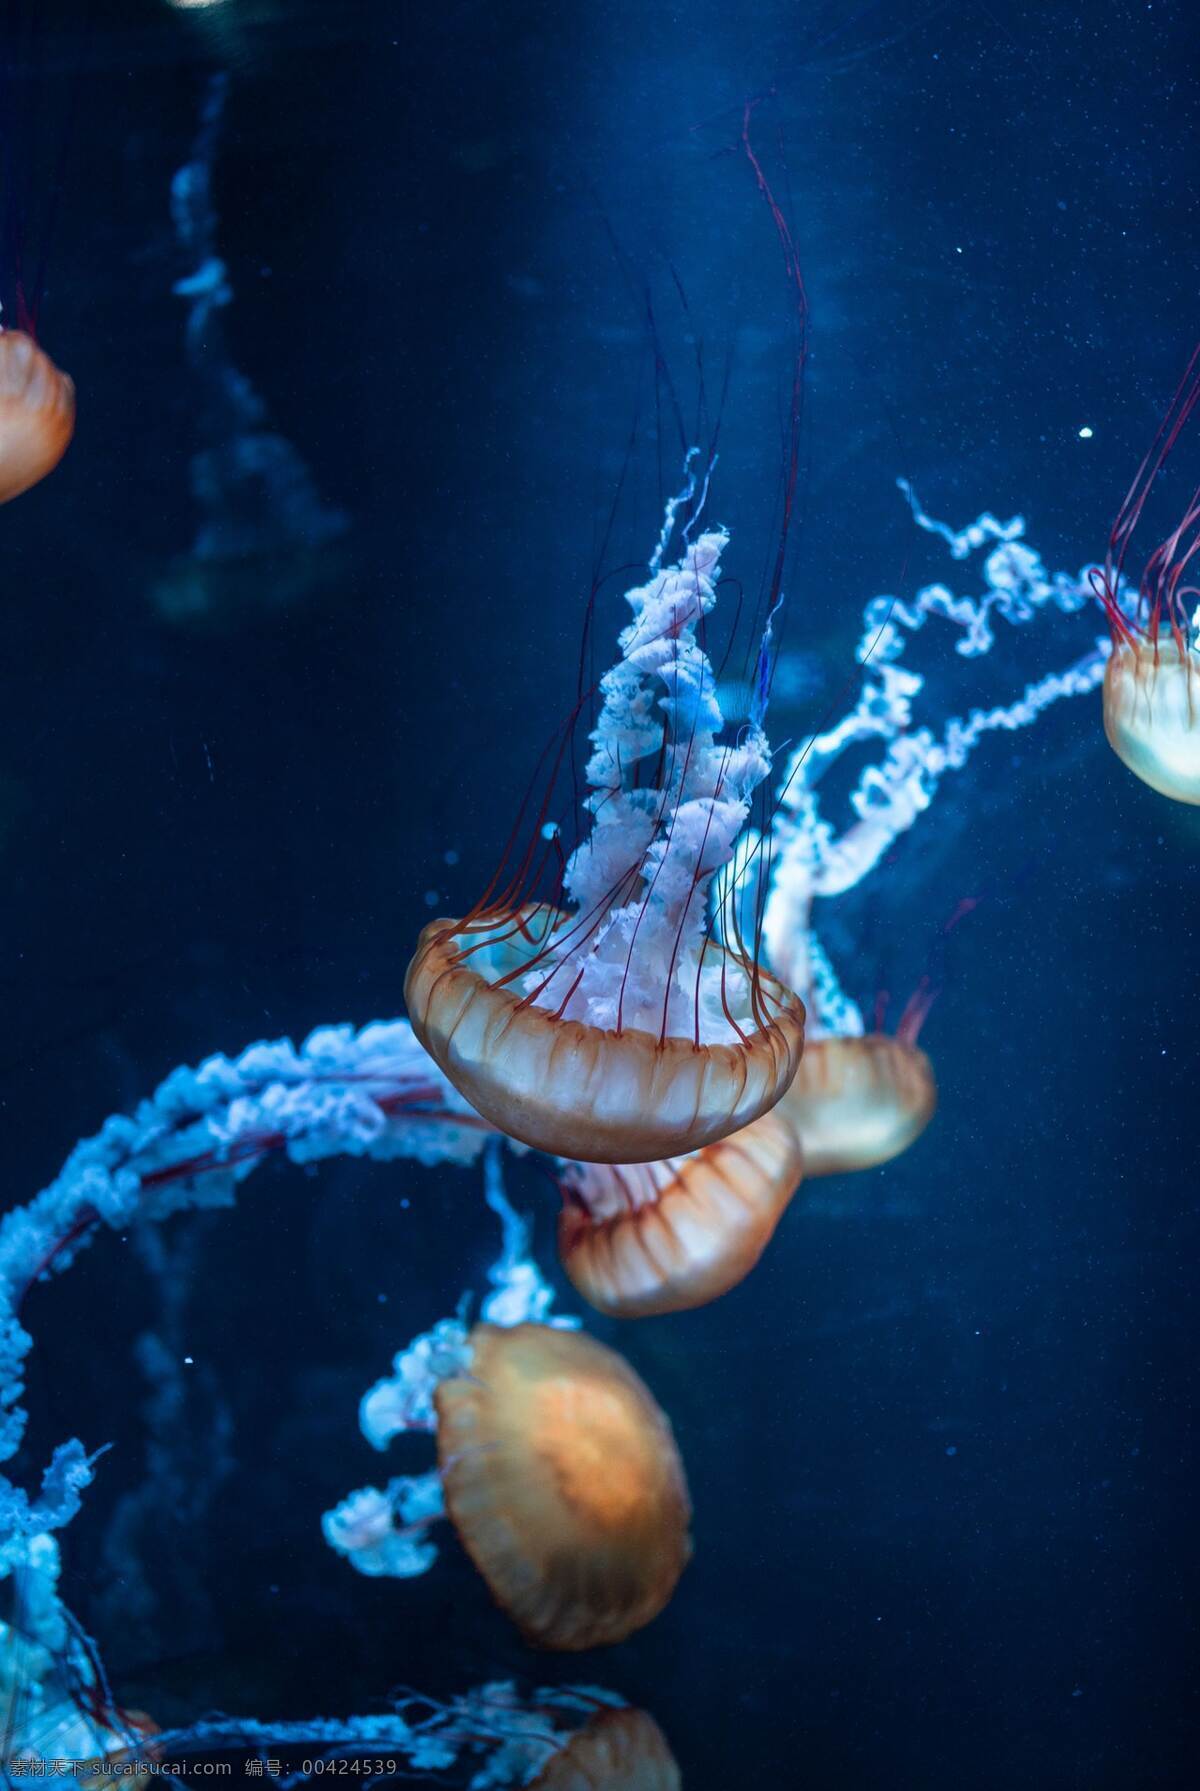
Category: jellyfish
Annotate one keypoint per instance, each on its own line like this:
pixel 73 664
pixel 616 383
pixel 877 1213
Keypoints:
pixel 617 1750
pixel 265 536
pixel 622 1032
pixel 556 1469
pixel 564 1484
pixel 860 1101
pixel 37 413
pixel 554 1738
pixel 861 1097
pixel 58 1708
pixel 644 1238
pixel 1152 679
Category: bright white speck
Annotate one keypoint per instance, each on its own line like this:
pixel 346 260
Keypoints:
pixel 1085 434
pixel 189 1360
pixel 550 830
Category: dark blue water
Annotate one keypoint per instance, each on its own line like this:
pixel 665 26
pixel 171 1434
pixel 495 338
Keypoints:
pixel 941 1443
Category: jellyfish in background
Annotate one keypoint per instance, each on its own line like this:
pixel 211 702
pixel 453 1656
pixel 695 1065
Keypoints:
pixel 37 400
pixel 556 1469
pixel 265 537
pixel 558 1738
pixel 622 1032
pixel 37 413
pixel 1152 680
pixel 861 1098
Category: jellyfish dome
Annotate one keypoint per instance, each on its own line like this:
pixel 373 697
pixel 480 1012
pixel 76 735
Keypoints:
pixel 622 1032
pixel 858 1102
pixel 639 1239
pixel 37 413
pixel 1152 679
pixel 618 1750
pixel 563 1481
pixel 1152 713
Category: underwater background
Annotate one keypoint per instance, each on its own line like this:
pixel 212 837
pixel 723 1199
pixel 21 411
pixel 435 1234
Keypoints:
pixel 941 1443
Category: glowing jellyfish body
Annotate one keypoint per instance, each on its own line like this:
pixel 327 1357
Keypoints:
pixel 618 1750
pixel 1152 679
pixel 645 1238
pixel 562 1479
pixel 37 413
pixel 622 1032
pixel 1152 713
pixel 859 1101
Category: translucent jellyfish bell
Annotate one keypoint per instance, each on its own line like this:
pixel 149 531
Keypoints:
pixel 563 1481
pixel 859 1101
pixel 1152 713
pixel 1152 679
pixel 645 1238
pixel 37 413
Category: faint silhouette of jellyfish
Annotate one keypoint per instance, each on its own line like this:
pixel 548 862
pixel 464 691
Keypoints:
pixel 622 1032
pixel 558 1738
pixel 1152 680
pixel 265 538
pixel 556 1469
pixel 644 1238
pixel 37 413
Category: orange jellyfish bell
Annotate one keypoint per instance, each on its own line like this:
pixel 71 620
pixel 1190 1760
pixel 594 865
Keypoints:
pixel 618 1750
pixel 1152 713
pixel 563 1481
pixel 37 413
pixel 595 1094
pixel 859 1101
pixel 647 1238
pixel 622 1031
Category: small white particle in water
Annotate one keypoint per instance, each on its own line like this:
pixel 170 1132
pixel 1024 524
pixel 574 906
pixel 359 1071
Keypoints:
pixel 550 830
pixel 957 250
pixel 1085 434
pixel 189 1360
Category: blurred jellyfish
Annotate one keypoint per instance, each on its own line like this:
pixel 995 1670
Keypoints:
pixel 621 1032
pixel 265 539
pixel 859 1101
pixel 557 1738
pixel 556 1469
pixel 564 1484
pixel 37 413
pixel 1152 680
